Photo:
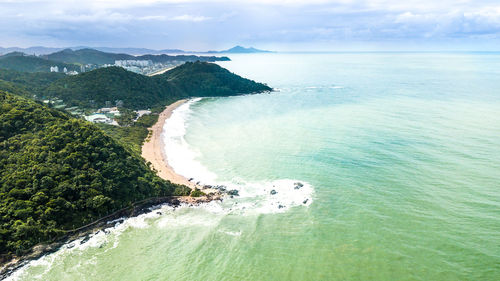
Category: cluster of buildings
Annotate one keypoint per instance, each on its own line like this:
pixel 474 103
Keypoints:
pixel 138 63
pixel 65 70
pixel 145 67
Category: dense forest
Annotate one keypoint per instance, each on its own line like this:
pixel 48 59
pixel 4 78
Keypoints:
pixel 25 63
pixel 192 79
pixel 58 173
pixel 197 79
pixel 91 56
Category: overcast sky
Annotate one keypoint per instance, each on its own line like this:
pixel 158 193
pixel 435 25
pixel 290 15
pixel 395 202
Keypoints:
pixel 289 25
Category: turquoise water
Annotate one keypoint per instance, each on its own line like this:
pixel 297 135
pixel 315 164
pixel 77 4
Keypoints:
pixel 399 154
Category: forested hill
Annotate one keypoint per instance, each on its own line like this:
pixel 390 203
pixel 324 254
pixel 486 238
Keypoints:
pixel 21 62
pixel 197 79
pixel 137 91
pixel 91 56
pixel 58 173
pixel 109 84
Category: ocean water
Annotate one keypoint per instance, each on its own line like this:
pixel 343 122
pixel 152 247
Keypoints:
pixel 398 155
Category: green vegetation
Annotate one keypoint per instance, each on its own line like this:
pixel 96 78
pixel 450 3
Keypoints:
pixel 197 193
pixel 132 136
pixel 127 117
pixel 58 173
pixel 25 83
pixel 208 80
pixel 140 92
pixel 26 63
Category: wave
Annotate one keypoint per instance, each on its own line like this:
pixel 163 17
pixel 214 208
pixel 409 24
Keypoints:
pixel 264 197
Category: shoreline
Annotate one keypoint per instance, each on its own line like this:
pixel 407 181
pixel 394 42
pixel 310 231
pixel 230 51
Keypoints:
pixel 153 152
pixel 153 149
pixel 136 209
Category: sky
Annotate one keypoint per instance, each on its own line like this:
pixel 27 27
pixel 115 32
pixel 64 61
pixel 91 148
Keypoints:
pixel 289 25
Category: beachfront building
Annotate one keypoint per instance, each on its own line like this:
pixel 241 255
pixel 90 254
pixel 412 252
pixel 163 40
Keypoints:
pixel 99 118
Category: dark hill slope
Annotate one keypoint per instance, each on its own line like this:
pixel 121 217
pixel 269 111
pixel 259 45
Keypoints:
pixel 25 83
pixel 32 64
pixel 110 84
pixel 87 56
pixel 200 79
pixel 137 91
pixel 58 173
pixel 91 56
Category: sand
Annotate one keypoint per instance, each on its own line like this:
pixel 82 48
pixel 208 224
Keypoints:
pixel 153 149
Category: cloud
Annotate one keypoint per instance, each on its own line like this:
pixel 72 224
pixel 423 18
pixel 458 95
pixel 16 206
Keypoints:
pixel 190 18
pixel 172 23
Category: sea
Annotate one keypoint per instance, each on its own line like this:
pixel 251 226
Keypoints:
pixel 359 166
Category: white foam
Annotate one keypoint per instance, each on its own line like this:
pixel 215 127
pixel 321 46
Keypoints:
pixel 179 155
pixel 253 196
pixel 95 240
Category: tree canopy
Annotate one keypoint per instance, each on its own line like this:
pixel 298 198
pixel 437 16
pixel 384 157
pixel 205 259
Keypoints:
pixel 58 173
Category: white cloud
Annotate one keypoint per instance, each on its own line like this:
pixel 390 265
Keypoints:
pixel 190 18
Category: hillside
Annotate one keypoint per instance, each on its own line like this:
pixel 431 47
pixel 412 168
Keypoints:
pixel 25 83
pixel 31 63
pixel 139 92
pixel 59 173
pixel 110 84
pixel 207 80
pixel 91 56
pixel 87 56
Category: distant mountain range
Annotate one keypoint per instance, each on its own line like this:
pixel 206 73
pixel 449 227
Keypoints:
pixel 40 50
pixel 71 60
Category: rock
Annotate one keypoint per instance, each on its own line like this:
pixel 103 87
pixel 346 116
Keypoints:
pixel 273 192
pixel 158 213
pixel 198 183
pixel 305 201
pixel 281 207
pixel 207 186
pixel 190 179
pixel 233 192
pixel 85 239
pixel 298 185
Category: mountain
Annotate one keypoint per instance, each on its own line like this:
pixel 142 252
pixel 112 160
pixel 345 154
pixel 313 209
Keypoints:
pixel 239 50
pixel 87 56
pixel 208 80
pixel 91 56
pixel 140 92
pixel 58 173
pixel 136 51
pixel 36 50
pixel 20 62
pixel 26 83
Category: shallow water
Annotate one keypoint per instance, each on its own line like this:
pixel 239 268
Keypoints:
pixel 399 154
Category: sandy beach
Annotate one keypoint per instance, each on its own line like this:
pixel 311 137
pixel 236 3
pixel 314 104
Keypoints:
pixel 153 149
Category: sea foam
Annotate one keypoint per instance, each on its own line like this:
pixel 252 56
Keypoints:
pixel 263 196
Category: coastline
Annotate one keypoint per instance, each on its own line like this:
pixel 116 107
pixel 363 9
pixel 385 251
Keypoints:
pixel 152 151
